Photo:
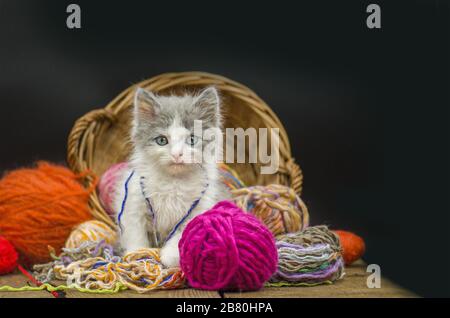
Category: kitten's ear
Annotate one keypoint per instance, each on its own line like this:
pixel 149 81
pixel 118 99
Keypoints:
pixel 146 105
pixel 207 104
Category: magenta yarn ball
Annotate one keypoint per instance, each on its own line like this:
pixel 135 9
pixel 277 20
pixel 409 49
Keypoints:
pixel 107 185
pixel 227 249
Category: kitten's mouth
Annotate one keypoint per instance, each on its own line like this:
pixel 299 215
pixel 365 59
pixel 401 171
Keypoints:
pixel 177 163
pixel 178 167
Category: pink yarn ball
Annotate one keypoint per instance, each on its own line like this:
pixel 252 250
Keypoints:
pixel 107 185
pixel 227 249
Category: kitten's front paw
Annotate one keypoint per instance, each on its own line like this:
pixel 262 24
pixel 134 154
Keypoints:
pixel 170 257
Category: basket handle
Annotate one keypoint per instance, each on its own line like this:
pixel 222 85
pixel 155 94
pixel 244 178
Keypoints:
pixel 76 139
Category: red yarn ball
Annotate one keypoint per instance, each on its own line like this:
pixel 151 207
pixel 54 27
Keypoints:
pixel 227 249
pixel 353 246
pixel 8 256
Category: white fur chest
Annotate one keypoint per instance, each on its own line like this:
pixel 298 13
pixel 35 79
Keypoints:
pixel 171 201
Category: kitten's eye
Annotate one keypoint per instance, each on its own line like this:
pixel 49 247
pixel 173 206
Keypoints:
pixel 161 140
pixel 192 140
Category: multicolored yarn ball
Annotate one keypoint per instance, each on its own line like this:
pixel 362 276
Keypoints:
pixel 353 246
pixel 94 268
pixel 92 230
pixel 39 207
pixel 278 206
pixel 307 258
pixel 230 178
pixel 107 186
pixel 8 256
pixel 226 249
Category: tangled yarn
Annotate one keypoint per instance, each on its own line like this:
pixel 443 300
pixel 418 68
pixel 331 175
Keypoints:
pixel 225 249
pixel 310 257
pixel 39 207
pixel 278 206
pixel 107 186
pixel 92 230
pixel 93 267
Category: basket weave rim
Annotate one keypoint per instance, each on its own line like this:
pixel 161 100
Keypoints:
pixel 80 147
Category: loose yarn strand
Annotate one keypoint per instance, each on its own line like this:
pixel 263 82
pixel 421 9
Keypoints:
pixel 124 201
pixel 54 289
pixel 193 206
pixel 156 237
pixel 34 280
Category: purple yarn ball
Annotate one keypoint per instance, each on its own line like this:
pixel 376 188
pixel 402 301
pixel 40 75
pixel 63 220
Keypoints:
pixel 227 249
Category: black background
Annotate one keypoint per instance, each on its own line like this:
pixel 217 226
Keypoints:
pixel 367 111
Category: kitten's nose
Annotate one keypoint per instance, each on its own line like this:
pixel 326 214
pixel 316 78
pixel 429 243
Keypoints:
pixel 177 157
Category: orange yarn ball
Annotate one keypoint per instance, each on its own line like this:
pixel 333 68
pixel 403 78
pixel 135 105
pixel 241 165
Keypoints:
pixel 353 246
pixel 39 207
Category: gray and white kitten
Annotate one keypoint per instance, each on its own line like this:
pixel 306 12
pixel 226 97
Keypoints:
pixel 163 159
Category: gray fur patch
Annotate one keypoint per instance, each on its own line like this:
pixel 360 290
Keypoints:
pixel 154 115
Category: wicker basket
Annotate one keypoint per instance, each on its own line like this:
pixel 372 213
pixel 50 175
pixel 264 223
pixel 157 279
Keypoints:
pixel 100 138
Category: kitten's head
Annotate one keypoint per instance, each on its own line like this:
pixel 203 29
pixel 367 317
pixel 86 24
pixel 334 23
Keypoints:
pixel 163 128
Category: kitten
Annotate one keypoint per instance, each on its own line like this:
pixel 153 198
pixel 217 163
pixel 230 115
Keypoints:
pixel 166 171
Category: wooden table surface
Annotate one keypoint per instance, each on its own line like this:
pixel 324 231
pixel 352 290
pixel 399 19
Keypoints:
pixel 353 285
